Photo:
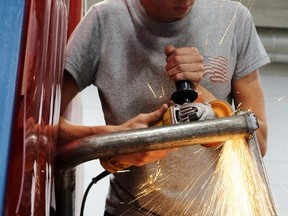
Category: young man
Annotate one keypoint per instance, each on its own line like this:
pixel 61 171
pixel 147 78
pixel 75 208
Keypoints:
pixel 134 51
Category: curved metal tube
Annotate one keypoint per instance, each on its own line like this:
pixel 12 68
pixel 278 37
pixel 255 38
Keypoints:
pixel 155 138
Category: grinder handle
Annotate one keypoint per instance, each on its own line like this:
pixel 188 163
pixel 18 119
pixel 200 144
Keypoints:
pixel 184 93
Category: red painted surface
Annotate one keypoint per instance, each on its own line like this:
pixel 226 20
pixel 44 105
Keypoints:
pixel 76 10
pixel 31 166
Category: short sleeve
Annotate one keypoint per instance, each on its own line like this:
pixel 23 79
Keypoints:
pixel 251 54
pixel 82 51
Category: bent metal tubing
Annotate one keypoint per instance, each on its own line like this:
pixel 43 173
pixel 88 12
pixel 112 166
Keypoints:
pixel 155 138
pixel 242 125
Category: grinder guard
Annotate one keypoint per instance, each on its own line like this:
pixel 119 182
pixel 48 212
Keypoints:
pixel 189 107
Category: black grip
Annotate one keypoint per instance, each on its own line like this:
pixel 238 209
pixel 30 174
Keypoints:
pixel 184 93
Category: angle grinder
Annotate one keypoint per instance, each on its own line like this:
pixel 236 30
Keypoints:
pixel 188 107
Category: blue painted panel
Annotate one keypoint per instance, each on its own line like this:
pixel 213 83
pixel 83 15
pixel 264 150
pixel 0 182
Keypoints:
pixel 11 12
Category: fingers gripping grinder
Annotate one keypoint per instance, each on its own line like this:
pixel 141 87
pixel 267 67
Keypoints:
pixel 188 107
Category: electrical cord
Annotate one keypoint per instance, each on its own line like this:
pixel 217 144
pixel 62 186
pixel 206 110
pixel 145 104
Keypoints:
pixel 94 181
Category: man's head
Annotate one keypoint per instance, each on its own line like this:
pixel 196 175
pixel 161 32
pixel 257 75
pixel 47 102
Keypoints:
pixel 167 10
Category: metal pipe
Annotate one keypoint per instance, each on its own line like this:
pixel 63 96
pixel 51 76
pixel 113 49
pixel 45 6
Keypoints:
pixel 153 138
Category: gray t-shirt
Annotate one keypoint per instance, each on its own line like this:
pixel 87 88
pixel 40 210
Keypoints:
pixel 119 49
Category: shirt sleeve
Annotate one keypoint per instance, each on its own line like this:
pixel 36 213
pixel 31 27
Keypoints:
pixel 251 54
pixel 82 51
